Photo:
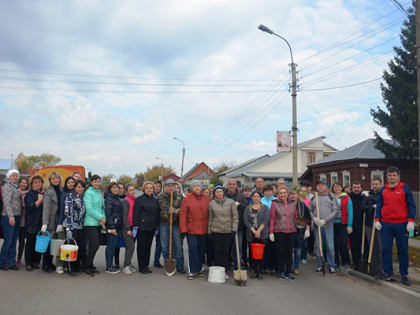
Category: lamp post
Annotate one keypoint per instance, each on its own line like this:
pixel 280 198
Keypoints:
pixel 183 156
pixel 294 113
pixel 161 161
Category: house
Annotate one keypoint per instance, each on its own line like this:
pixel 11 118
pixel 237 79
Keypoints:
pixel 172 176
pixel 200 172
pixel 360 162
pixel 280 164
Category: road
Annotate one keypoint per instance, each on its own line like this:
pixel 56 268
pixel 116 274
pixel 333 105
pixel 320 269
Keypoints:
pixel 36 293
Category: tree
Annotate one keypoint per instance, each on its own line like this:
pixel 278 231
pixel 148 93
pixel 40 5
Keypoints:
pixel 25 163
pixel 125 180
pixel 138 180
pixel 106 179
pixel 155 171
pixel 399 94
pixel 224 166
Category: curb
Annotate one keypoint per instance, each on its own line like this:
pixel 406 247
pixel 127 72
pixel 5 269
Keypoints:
pixel 363 276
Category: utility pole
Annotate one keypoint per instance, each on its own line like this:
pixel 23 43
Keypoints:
pixel 182 165
pixel 418 82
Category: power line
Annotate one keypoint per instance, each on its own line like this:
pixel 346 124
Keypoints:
pixel 342 86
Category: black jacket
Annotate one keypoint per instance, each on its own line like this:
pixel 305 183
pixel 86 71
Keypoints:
pixel 113 211
pixel 33 215
pixel 368 206
pixel 238 197
pixel 146 213
pixel 357 201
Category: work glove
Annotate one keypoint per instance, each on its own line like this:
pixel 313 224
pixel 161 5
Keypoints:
pixel 349 230
pixel 271 237
pixel 378 225
pixel 44 228
pixel 410 226
pixel 307 234
pixel 134 233
pixel 59 228
pixel 319 222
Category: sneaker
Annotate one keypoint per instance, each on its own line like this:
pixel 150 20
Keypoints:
pixel 35 266
pixel 304 262
pixel 59 270
pixel 112 270
pixel 88 272
pixel 116 266
pixel 332 270
pixel 127 270
pixel 226 276
pixel 281 276
pixel 190 276
pixel 132 268
pixel 381 276
pixel 29 268
pixel 318 269
pixel 405 281
pixel 291 277
pixel 296 271
pixel 390 278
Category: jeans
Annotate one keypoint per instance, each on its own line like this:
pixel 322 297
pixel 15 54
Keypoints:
pixel 111 244
pixel 388 233
pixel 158 249
pixel 299 243
pixel 327 234
pixel 8 250
pixel 240 238
pixel 196 250
pixel 176 244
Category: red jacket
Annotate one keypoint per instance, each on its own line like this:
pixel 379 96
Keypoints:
pixel 194 214
pixel 344 211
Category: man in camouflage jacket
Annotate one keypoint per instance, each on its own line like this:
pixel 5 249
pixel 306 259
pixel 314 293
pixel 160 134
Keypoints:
pixel 165 211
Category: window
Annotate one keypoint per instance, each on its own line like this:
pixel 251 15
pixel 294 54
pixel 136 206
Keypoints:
pixel 378 174
pixel 323 177
pixel 334 177
pixel 346 178
pixel 311 157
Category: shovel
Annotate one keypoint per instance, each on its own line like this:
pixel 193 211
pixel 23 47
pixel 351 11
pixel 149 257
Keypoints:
pixel 372 241
pixel 239 275
pixel 321 250
pixel 170 263
pixel 363 262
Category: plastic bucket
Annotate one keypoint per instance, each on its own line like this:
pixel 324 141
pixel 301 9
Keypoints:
pixel 55 246
pixel 68 252
pixel 257 251
pixel 217 274
pixel 42 242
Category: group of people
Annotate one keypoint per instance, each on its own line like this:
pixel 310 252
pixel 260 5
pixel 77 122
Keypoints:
pixel 287 221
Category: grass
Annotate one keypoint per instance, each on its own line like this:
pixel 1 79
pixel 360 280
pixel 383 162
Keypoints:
pixel 413 255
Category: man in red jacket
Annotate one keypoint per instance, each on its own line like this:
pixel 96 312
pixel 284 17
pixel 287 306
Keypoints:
pixel 193 221
pixel 395 213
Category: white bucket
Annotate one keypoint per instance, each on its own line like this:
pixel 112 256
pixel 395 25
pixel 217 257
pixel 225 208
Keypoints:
pixel 217 274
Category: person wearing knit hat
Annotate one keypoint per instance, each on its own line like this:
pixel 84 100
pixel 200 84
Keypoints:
pixel 211 190
pixel 10 220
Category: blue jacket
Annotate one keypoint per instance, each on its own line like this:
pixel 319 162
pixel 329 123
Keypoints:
pixel 72 213
pixel 94 204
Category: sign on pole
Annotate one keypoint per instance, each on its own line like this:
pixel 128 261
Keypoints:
pixel 283 141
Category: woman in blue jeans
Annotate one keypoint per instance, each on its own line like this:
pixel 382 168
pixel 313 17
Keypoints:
pixel 113 212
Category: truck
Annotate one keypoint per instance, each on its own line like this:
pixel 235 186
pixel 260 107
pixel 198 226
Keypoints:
pixel 64 171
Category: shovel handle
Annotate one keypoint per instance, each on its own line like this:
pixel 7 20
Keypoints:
pixel 170 225
pixel 372 240
pixel 237 251
pixel 321 251
pixel 363 235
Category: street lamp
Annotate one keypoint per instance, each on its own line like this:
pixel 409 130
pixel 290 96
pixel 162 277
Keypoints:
pixel 183 155
pixel 294 114
pixel 158 158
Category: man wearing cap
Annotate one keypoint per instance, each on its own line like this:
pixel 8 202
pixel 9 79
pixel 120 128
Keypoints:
pixel 165 212
pixel 10 220
pixel 328 210
pixel 193 221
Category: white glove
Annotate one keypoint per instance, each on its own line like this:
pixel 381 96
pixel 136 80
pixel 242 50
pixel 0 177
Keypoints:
pixel 59 228
pixel 378 225
pixel 319 222
pixel 316 221
pixel 44 228
pixel 307 234
pixel 349 230
pixel 271 237
pixel 410 226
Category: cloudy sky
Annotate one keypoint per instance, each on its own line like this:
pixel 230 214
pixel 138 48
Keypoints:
pixel 107 84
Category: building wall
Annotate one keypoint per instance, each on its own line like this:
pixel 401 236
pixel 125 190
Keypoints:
pixel 202 167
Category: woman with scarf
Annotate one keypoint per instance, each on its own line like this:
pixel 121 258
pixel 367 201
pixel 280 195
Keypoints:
pixel 127 234
pixel 71 217
pixel 23 189
pixel 256 221
pixel 223 221
pixel 283 217
pixel 270 259
pixel 10 220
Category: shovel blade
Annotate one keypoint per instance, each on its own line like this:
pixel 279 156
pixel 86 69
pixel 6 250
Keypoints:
pixel 240 277
pixel 170 267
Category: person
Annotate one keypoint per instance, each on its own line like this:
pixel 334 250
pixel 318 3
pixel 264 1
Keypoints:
pixel 145 222
pixel 206 192
pixel 157 190
pixel 121 194
pixel 193 221
pixel 283 217
pixel 77 176
pixel 310 241
pixel 50 208
pixel 211 191
pixel 247 193
pixel 128 209
pixel 327 212
pixel 241 203
pixel 113 212
pixel 178 190
pixel 369 207
pixel 357 199
pixel 165 212
pixel 256 221
pixel 281 183
pixel 33 221
pixel 302 228
pixel 94 220
pixel 223 223
pixel 395 214
pixel 259 185
pixel 347 189
pixel 71 217
pixel 275 189
pixel 303 196
pixel 10 220
pixel 342 225
pixel 270 263
pixel 23 189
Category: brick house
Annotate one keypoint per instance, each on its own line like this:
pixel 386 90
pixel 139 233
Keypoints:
pixel 201 172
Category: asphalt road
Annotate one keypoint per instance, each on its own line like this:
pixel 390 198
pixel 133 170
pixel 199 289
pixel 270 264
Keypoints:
pixel 36 293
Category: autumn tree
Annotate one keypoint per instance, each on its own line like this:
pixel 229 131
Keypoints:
pixel 25 163
pixel 125 180
pixel 222 167
pixel 153 173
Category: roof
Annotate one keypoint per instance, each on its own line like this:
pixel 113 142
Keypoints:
pixel 201 175
pixel 194 167
pixel 247 162
pixel 5 164
pixel 269 175
pixel 362 150
pixel 256 162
